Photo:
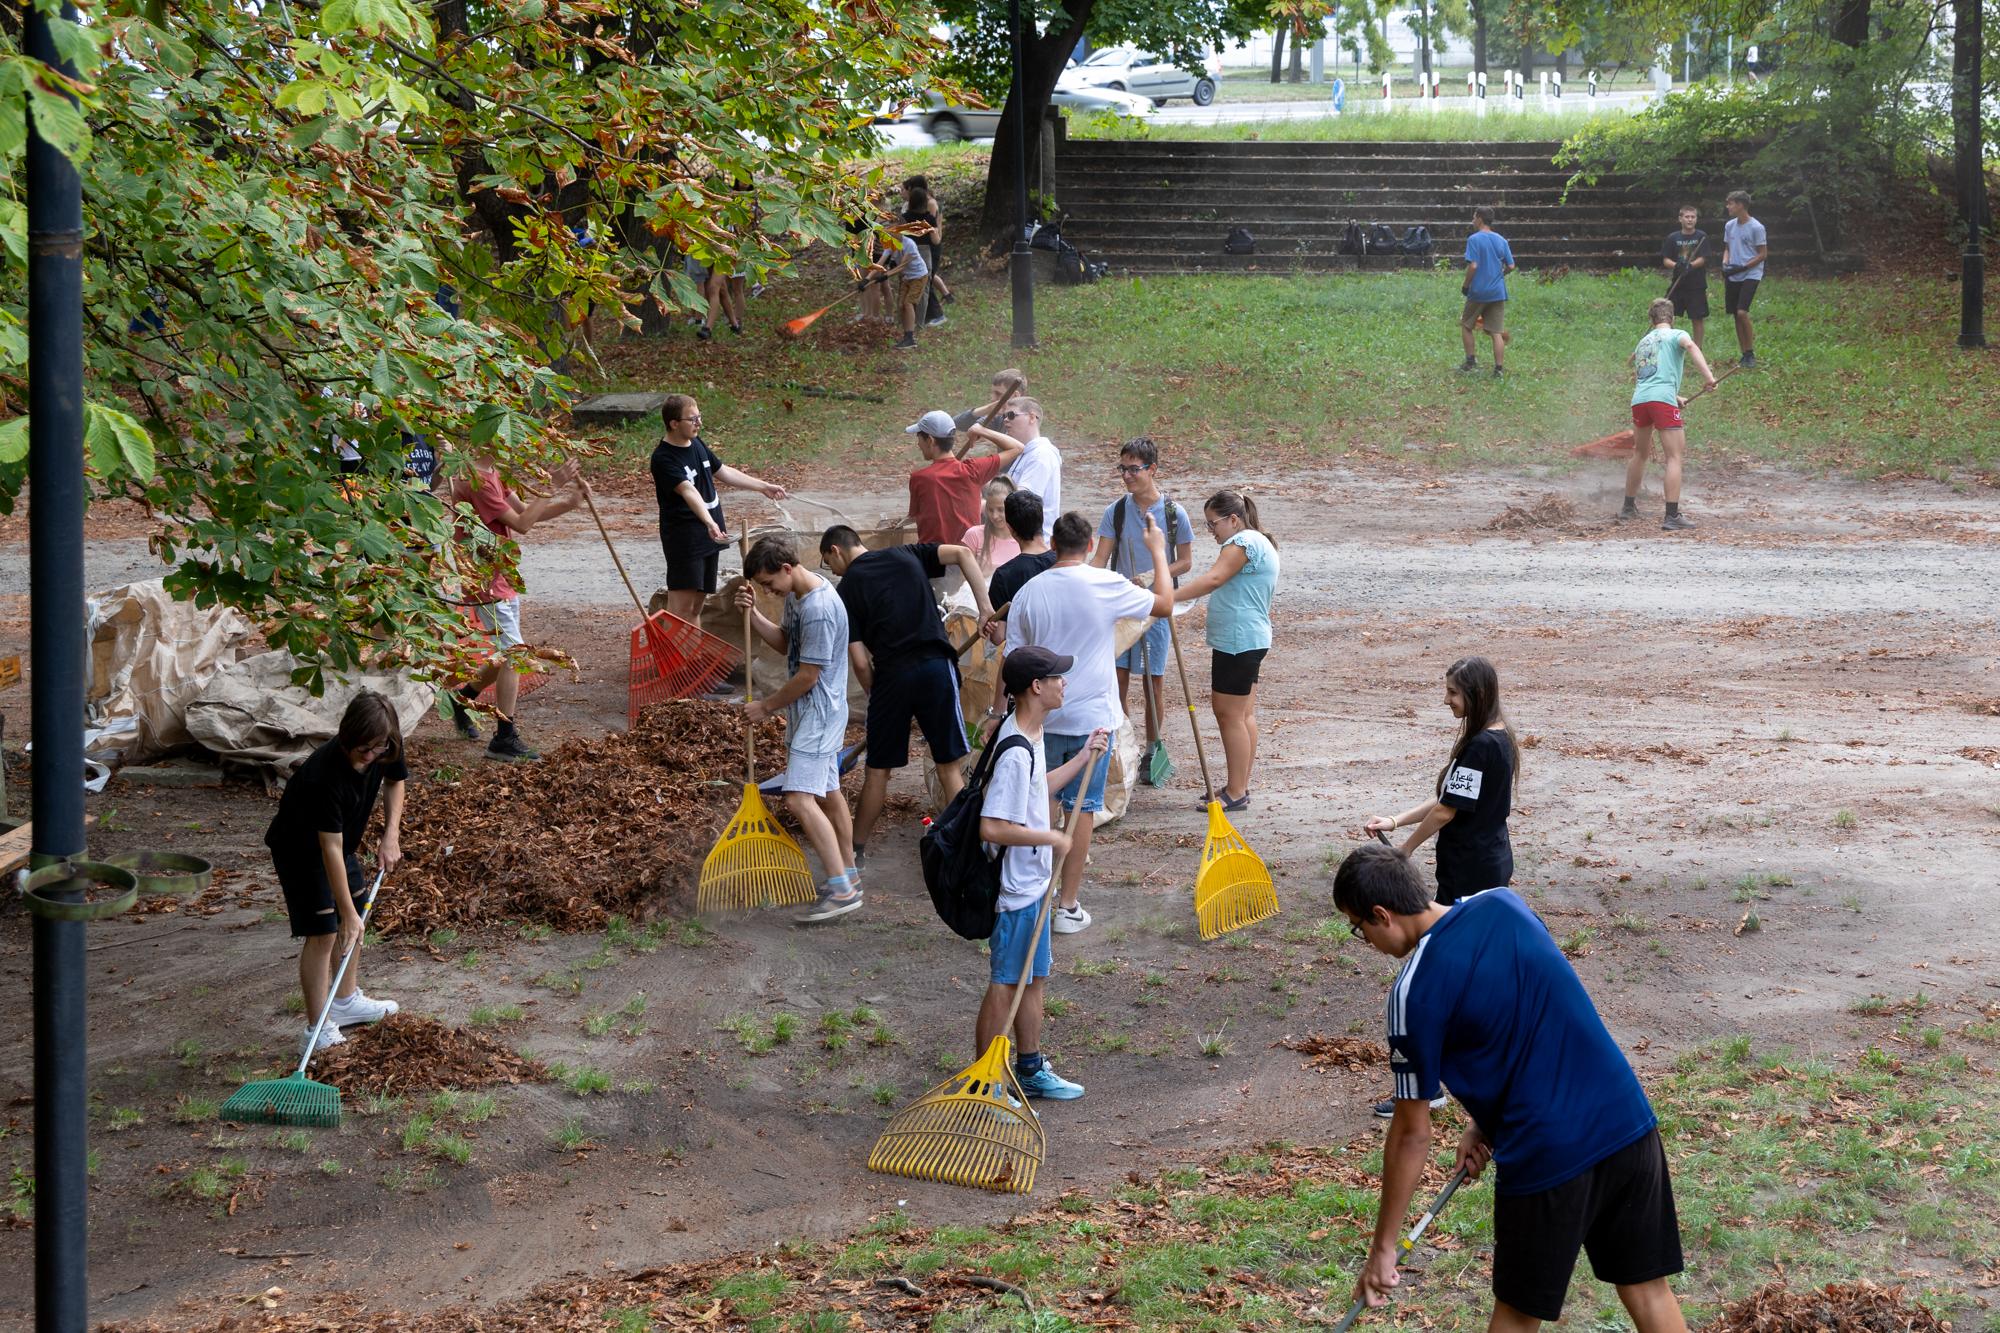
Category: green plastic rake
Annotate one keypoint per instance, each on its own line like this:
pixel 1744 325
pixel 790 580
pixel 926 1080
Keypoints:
pixel 296 1099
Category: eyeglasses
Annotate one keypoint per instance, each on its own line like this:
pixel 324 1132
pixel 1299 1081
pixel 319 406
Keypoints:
pixel 370 751
pixel 1210 523
pixel 1134 469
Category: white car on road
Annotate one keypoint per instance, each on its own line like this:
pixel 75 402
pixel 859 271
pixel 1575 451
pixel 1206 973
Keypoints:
pixel 1127 69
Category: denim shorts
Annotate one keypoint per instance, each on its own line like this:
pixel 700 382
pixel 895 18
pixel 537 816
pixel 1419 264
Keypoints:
pixel 1158 649
pixel 1057 750
pixel 1010 945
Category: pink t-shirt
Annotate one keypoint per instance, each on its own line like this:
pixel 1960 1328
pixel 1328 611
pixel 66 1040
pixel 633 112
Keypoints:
pixel 1003 550
pixel 489 501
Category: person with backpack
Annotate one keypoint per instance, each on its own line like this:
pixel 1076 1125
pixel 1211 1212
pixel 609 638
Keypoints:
pixel 1121 540
pixel 1488 261
pixel 1014 826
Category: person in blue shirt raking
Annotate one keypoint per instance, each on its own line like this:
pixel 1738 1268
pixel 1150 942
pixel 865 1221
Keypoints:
pixel 1488 261
pixel 1487 1004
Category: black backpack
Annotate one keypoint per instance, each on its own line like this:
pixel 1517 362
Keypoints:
pixel 1070 268
pixel 1118 527
pixel 1048 236
pixel 1382 241
pixel 1239 242
pixel 1354 241
pixel 964 882
pixel 1417 241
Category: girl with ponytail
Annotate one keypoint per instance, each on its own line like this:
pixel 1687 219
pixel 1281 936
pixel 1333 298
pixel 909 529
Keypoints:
pixel 1242 581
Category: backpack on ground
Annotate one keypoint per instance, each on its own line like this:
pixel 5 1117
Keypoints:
pixel 1048 236
pixel 1070 267
pixel 1239 242
pixel 1382 241
pixel 1417 241
pixel 1354 241
pixel 964 882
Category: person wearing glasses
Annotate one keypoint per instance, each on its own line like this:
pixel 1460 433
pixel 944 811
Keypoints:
pixel 686 473
pixel 1121 539
pixel 1039 468
pixel 1242 580
pixel 315 841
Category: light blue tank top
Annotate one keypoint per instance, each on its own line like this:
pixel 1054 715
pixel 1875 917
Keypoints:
pixel 1239 612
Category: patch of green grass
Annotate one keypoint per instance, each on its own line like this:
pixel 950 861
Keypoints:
pixel 784 1027
pixel 1215 1045
pixel 628 1319
pixel 452 1148
pixel 417 1131
pixel 380 1103
pixel 470 960
pixel 597 1023
pixel 190 1109
pixel 1843 819
pixel 505 1013
pixel 331 1167
pixel 295 1003
pixel 535 932
pixel 582 1080
pixel 1058 1006
pixel 1577 942
pixel 442 939
pixel 883 1093
pixel 125 1118
pixel 296 1140
pixel 1085 967
pixel 750 1293
pixel 188 1052
pixel 571 1136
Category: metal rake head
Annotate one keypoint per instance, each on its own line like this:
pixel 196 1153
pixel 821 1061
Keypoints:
pixel 974 1129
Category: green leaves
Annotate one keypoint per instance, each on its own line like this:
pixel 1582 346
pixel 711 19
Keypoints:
pixel 116 444
pixel 369 17
pixel 14 440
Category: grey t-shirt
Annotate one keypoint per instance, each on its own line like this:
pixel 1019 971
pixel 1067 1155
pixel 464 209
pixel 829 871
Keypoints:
pixel 1742 239
pixel 816 635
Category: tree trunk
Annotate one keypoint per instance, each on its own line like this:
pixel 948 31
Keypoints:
pixel 1278 51
pixel 1479 36
pixel 1297 73
pixel 1850 24
pixel 1044 57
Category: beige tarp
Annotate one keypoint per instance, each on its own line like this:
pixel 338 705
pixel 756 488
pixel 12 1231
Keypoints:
pixel 252 715
pixel 149 657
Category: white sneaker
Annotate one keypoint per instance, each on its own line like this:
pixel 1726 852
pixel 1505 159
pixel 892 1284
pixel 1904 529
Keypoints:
pixel 328 1036
pixel 358 1008
pixel 1069 920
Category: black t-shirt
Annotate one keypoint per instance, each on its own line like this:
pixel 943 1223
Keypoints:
pixel 1685 248
pixel 890 607
pixel 1473 853
pixel 326 795
pixel 680 531
pixel 1007 579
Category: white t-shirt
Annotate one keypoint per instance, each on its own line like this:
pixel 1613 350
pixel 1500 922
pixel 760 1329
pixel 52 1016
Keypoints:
pixel 1039 469
pixel 1075 611
pixel 1017 790
pixel 1740 241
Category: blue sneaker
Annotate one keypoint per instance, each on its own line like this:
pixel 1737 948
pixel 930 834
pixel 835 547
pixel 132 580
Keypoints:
pixel 1045 1082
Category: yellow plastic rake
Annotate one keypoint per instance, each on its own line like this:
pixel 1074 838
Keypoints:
pixel 1233 888
pixel 975 1128
pixel 755 863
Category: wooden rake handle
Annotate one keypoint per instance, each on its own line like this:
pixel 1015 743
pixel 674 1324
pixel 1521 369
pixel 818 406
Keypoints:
pixel 749 683
pixel 1049 898
pixel 1207 783
pixel 614 553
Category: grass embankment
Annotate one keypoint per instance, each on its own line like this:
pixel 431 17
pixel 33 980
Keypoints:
pixel 1855 376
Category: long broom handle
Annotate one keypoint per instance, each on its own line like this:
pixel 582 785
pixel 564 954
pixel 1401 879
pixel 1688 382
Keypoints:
pixel 1048 899
pixel 1145 684
pixel 749 683
pixel 367 905
pixel 1188 694
pixel 1409 1242
pixel 614 553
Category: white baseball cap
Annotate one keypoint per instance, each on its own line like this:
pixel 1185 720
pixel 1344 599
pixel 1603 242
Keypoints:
pixel 937 425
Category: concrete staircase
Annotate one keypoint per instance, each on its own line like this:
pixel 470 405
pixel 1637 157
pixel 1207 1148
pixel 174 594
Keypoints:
pixel 1158 207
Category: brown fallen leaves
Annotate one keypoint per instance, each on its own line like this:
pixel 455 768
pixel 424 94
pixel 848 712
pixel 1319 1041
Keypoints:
pixel 1350 1053
pixel 404 1053
pixel 600 825
pixel 1553 510
pixel 1861 1308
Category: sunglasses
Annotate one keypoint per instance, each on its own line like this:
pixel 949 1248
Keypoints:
pixel 1009 416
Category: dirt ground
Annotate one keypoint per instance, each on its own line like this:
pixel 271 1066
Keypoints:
pixel 1709 716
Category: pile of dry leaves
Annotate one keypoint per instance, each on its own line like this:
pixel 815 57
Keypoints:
pixel 1861 1308
pixel 1350 1053
pixel 603 825
pixel 404 1053
pixel 1553 510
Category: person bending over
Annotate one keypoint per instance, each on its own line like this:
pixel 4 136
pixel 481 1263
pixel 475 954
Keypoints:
pixel 1487 1003
pixel 1657 363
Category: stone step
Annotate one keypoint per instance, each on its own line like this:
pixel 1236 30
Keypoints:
pixel 1075 195
pixel 1160 262
pixel 1490 182
pixel 1096 149
pixel 1517 233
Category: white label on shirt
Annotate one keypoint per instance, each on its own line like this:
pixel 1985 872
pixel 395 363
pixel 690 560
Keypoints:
pixel 1463 782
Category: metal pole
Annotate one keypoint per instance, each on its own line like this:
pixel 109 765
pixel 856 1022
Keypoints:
pixel 1967 61
pixel 1024 259
pixel 55 582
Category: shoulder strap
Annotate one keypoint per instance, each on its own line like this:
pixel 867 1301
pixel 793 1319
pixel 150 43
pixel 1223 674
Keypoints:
pixel 1118 526
pixel 1168 513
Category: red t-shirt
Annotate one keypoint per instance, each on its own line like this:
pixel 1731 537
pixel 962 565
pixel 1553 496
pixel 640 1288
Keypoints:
pixel 945 496
pixel 489 501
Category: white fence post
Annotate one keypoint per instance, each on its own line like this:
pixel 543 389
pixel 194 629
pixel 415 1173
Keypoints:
pixel 1387 75
pixel 1593 84
pixel 1479 99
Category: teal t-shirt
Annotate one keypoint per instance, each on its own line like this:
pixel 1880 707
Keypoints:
pixel 1656 365
pixel 1239 612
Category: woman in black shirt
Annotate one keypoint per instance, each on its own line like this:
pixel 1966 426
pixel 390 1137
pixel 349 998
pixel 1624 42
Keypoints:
pixel 1474 789
pixel 315 840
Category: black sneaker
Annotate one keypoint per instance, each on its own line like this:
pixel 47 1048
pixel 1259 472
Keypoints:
pixel 907 343
pixel 736 329
pixel 1676 523
pixel 1470 363
pixel 1499 372
pixel 947 298
pixel 704 333
pixel 1629 512
pixel 461 718
pixel 1749 360
pixel 510 749
pixel 1387 1110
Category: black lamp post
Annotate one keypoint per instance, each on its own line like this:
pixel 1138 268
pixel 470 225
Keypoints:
pixel 1966 63
pixel 1023 262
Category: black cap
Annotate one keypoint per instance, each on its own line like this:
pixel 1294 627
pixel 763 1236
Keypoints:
pixel 1025 666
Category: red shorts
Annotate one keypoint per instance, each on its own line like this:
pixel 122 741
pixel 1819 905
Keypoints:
pixel 1660 416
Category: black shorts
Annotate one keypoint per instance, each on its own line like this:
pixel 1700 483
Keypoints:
pixel 1739 296
pixel 308 895
pixel 927 694
pixel 1620 1212
pixel 691 572
pixel 1691 299
pixel 1235 673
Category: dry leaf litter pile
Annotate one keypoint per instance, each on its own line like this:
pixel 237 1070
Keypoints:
pixel 601 825
pixel 1834 1308
pixel 404 1054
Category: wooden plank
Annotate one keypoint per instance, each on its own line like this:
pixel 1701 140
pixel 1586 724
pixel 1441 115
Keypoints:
pixel 14 848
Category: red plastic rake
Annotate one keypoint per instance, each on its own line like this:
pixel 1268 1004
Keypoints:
pixel 672 659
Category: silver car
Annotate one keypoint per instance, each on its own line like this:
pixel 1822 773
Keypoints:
pixel 953 124
pixel 1128 69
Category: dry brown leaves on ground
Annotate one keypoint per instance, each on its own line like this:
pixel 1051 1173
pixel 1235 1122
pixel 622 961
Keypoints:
pixel 1350 1053
pixel 1861 1308
pixel 598 826
pixel 1983 754
pixel 1554 510
pixel 404 1053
